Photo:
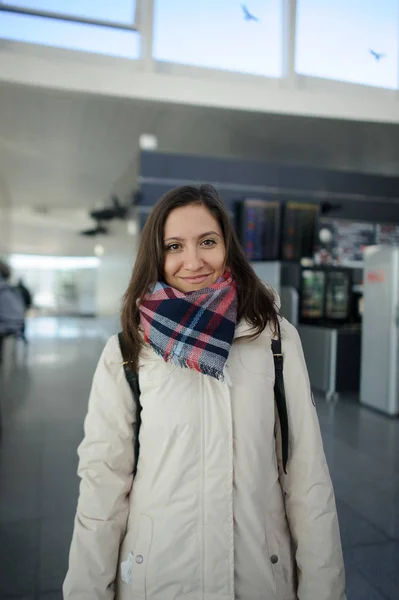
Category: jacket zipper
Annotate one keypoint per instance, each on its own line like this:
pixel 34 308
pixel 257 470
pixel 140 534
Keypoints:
pixel 202 396
pixel 231 491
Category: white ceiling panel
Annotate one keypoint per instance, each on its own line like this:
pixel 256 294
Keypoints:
pixel 69 150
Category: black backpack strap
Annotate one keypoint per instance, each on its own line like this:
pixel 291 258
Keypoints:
pixel 133 381
pixel 279 394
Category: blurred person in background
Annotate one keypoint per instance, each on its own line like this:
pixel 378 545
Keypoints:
pixel 27 300
pixel 12 309
pixel 200 501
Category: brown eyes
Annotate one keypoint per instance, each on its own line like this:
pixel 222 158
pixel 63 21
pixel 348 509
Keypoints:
pixel 208 243
pixel 172 247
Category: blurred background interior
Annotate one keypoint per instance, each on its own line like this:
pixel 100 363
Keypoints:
pixel 290 109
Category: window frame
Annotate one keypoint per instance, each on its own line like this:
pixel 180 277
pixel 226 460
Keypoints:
pixel 47 51
pixel 225 75
pixel 12 8
pixel 146 64
pixel 327 84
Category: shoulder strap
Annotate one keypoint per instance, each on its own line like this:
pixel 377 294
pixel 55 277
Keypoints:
pixel 279 394
pixel 133 381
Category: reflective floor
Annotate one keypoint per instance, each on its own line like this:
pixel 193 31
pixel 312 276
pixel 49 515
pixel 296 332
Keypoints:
pixel 43 400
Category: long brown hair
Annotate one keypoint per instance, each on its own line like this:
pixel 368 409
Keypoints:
pixel 255 300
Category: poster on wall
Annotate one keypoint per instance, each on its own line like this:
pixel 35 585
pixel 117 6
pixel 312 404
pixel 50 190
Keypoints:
pixel 342 241
pixel 352 239
pixel 387 235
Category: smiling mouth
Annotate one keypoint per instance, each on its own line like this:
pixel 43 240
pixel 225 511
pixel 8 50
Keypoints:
pixel 196 279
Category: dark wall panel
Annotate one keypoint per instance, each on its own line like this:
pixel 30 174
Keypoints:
pixel 361 197
pixel 205 168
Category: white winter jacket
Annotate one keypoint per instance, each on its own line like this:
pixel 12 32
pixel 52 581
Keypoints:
pixel 209 515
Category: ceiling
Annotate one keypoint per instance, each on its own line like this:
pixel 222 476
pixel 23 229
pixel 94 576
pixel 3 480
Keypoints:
pixel 70 151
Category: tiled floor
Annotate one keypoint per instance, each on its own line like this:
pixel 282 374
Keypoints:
pixel 43 400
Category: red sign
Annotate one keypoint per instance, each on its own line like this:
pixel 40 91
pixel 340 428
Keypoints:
pixel 376 276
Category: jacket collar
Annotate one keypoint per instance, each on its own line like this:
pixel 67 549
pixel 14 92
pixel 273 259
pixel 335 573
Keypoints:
pixel 243 328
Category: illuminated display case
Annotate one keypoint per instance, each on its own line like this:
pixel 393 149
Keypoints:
pixel 326 296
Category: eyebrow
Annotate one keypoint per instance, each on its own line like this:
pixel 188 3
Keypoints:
pixel 180 239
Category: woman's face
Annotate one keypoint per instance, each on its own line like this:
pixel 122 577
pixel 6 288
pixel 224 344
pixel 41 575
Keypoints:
pixel 194 249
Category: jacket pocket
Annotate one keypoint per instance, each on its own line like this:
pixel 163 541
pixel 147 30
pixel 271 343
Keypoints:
pixel 141 557
pixel 278 548
pixel 133 569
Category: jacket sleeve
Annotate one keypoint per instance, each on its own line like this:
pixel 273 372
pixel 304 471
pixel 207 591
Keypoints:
pixel 307 487
pixel 106 461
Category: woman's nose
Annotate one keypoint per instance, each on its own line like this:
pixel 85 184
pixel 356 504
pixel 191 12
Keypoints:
pixel 193 260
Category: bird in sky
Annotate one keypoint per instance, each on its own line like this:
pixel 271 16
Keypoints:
pixel 247 15
pixel 377 55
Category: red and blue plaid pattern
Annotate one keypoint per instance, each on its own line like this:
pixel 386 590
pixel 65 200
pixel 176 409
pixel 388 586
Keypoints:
pixel 193 330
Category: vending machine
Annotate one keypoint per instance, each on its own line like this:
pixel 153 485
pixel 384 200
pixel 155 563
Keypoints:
pixel 379 387
pixel 326 296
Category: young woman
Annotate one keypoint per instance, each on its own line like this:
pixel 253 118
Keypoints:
pixel 210 513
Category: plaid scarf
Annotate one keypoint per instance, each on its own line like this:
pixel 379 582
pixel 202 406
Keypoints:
pixel 193 330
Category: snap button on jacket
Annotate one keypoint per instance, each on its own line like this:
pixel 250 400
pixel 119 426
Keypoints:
pixel 210 515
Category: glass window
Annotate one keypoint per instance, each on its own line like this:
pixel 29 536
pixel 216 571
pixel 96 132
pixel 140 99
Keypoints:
pixel 37 261
pixel 349 40
pixel 115 11
pixel 221 34
pixel 72 36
